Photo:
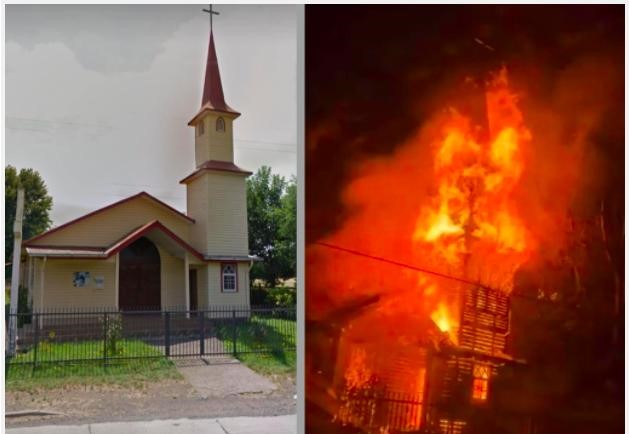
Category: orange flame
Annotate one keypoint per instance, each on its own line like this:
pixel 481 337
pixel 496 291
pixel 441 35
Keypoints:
pixel 458 198
pixel 474 212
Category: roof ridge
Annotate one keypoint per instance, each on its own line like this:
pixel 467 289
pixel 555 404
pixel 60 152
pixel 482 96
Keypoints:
pixel 105 208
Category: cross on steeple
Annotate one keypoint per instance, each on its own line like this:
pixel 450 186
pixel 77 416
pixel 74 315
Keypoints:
pixel 210 12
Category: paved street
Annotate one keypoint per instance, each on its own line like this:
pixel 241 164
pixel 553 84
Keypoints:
pixel 228 425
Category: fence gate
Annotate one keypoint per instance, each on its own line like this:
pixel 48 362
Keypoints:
pixel 73 336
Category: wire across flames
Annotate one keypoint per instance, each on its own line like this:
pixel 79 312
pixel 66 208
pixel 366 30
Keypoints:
pixel 469 226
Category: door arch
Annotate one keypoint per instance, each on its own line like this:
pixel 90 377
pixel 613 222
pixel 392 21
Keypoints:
pixel 139 276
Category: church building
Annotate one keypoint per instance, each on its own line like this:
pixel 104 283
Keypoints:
pixel 140 253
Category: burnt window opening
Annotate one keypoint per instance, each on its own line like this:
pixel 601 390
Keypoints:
pixel 220 125
pixel 481 298
pixel 480 382
pixel 449 426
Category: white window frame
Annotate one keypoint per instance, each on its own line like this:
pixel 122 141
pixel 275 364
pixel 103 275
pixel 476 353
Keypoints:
pixel 234 274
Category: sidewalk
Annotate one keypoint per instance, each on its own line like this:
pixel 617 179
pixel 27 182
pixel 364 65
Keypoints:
pixel 228 425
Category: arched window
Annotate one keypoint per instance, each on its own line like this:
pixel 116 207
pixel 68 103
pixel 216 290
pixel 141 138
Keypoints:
pixel 200 129
pixel 220 125
pixel 229 281
pixel 480 383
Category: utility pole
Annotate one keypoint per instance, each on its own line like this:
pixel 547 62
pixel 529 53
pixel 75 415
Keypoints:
pixel 15 275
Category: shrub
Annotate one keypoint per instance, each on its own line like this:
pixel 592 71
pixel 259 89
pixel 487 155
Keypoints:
pixel 112 331
pixel 283 297
pixel 23 307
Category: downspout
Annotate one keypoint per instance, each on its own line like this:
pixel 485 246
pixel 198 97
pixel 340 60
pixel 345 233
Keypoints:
pixel 249 283
pixel 186 277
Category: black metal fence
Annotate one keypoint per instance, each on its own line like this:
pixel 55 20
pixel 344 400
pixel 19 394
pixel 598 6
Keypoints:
pixel 109 336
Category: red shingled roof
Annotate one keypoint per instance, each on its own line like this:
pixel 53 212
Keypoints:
pixel 213 97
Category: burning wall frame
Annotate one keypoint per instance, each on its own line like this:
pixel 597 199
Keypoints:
pixel 446 401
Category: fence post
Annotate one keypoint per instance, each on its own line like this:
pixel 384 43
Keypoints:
pixel 36 339
pixel 105 329
pixel 167 332
pixel 201 333
pixel 234 332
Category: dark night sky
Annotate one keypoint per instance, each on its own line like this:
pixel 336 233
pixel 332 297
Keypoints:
pixel 373 71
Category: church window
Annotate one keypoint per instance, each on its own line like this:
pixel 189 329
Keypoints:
pixel 229 279
pixel 200 128
pixel 480 384
pixel 220 125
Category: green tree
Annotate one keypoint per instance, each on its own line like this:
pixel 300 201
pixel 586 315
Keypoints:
pixel 271 207
pixel 288 227
pixel 37 205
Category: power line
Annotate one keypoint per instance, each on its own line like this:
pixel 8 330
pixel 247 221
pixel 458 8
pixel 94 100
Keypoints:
pixel 259 149
pixel 266 149
pixel 426 271
pixel 404 265
pixel 292 145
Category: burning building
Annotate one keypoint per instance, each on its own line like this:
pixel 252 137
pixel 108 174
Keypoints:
pixel 424 358
pixel 461 274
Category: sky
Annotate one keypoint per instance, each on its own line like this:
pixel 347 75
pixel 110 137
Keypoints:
pixel 98 97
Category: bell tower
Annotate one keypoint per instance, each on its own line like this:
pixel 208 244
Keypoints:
pixel 213 123
pixel 216 190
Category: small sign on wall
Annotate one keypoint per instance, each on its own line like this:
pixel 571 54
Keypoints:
pixel 99 282
pixel 81 279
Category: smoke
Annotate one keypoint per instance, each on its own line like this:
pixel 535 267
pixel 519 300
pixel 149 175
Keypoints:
pixel 564 170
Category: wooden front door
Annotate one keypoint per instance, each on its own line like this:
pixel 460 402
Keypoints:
pixel 139 282
pixel 194 303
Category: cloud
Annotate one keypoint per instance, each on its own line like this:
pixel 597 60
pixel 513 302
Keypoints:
pixel 98 133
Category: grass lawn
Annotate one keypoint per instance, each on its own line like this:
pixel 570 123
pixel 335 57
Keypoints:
pixel 273 334
pixel 122 372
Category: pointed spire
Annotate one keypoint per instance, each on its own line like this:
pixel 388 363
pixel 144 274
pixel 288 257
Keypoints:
pixel 213 89
pixel 213 97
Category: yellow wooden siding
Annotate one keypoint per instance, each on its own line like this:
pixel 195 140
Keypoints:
pixel 107 227
pixel 214 145
pixel 219 298
pixel 227 214
pixel 202 282
pixel 59 292
pixel 218 203
pixel 201 144
pixel 197 200
pixel 35 286
pixel 173 280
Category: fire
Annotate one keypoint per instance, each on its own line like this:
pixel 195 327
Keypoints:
pixel 474 212
pixel 443 319
pixel 461 197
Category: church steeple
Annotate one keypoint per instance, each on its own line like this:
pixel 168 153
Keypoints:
pixel 214 121
pixel 216 189
pixel 213 97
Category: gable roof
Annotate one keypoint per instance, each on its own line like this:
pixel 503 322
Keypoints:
pixel 142 194
pixel 106 252
pixel 89 252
